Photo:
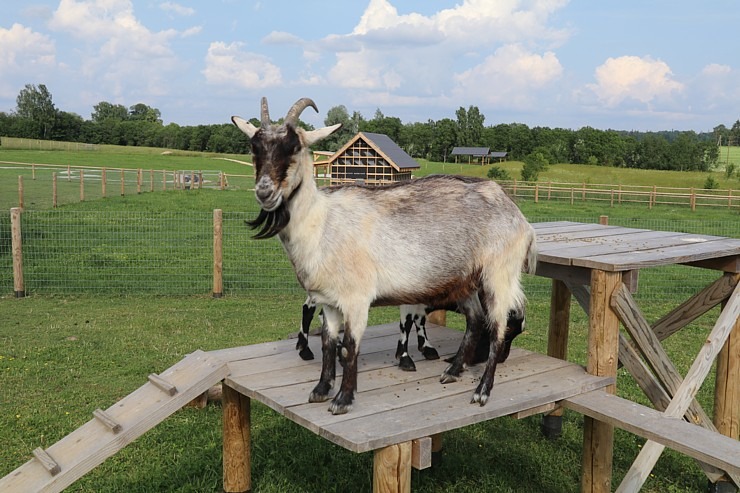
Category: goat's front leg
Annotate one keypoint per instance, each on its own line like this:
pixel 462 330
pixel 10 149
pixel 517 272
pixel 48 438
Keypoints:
pixel 474 320
pixel 329 337
pixel 402 349
pixel 354 327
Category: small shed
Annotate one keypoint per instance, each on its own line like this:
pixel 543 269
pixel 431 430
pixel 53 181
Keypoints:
pixel 473 153
pixel 497 156
pixel 372 158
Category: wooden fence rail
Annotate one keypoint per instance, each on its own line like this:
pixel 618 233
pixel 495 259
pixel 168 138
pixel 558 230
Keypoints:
pixel 623 194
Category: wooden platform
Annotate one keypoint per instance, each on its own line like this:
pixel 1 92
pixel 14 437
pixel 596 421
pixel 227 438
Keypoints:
pixel 393 406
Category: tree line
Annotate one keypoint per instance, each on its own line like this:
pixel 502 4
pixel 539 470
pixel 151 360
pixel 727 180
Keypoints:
pixel 140 125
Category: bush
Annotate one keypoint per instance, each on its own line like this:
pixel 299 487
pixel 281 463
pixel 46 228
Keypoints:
pixel 533 164
pixel 711 183
pixel 498 174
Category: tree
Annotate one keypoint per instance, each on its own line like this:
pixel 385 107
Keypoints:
pixel 469 126
pixel 140 111
pixel 338 114
pixel 35 104
pixel 534 163
pixel 105 110
pixel 445 136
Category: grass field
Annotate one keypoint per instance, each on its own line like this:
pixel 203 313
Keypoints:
pixel 62 356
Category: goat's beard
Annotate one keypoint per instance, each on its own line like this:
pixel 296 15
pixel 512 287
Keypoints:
pixel 272 222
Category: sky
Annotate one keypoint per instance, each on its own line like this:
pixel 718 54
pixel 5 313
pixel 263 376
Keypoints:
pixel 626 65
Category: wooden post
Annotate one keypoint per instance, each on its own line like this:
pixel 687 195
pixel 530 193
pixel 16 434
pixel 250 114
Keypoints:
pixel 392 469
pixel 583 192
pixel 221 180
pixel 17 247
pixel 536 193
pixel 54 189
pixel 82 186
pixel 557 347
pixel 218 282
pixel 151 180
pixel 20 191
pixel 655 195
pixel 164 180
pixel 611 198
pixel 200 179
pixel 103 184
pixel 620 194
pixel 437 443
pixel 603 348
pixel 692 199
pixel 123 185
pixel 604 220
pixel 69 173
pixel 572 195
pixel 138 181
pixel 727 386
pixel 237 454
pixel 33 174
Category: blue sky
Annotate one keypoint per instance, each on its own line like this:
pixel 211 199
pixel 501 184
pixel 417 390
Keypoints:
pixel 627 64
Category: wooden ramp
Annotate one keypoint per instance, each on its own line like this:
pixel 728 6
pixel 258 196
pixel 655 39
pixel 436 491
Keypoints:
pixel 394 406
pixel 75 455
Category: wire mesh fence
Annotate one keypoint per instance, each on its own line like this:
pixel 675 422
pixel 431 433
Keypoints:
pixel 172 253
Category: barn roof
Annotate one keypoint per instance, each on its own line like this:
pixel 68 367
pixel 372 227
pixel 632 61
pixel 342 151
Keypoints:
pixel 470 151
pixel 386 147
pixel 499 154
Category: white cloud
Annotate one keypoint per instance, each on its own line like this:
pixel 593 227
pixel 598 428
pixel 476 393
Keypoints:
pixel 24 53
pixel 363 70
pixel 509 77
pixel 176 8
pixel 282 38
pixel 634 78
pixel 118 50
pixel 228 64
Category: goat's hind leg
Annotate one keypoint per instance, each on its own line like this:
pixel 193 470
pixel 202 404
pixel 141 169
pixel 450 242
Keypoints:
pixel 309 309
pixel 425 347
pixel 402 348
pixel 474 321
pixel 329 339
pixel 483 390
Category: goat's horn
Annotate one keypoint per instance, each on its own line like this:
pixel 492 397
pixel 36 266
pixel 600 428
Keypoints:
pixel 264 114
pixel 297 109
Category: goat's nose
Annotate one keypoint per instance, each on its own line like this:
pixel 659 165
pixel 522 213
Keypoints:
pixel 263 189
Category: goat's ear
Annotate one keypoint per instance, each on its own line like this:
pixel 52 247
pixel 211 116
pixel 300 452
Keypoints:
pixel 313 136
pixel 244 126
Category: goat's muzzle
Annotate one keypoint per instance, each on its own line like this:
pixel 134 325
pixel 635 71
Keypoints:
pixel 268 196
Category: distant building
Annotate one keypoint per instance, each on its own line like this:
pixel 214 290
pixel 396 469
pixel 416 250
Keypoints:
pixel 497 157
pixel 372 158
pixel 472 153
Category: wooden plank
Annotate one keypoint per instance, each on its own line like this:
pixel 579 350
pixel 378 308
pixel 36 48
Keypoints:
pixel 635 477
pixel 237 440
pixel 550 408
pixel 690 252
pixel 619 243
pixel 693 308
pixel 381 428
pixel 689 439
pixel 92 443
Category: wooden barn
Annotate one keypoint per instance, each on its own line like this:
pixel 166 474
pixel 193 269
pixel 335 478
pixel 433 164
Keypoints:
pixel 373 158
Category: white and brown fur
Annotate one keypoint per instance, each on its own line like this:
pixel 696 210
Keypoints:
pixel 415 242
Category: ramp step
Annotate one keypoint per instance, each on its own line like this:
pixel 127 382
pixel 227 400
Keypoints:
pixel 107 420
pixel 163 384
pixel 46 461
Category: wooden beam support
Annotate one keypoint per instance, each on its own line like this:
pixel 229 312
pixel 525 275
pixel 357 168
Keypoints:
pixel 392 469
pixel 47 461
pixel 237 453
pixel 421 453
pixel 162 384
pixel 107 420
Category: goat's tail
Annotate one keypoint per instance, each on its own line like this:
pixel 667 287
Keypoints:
pixel 530 262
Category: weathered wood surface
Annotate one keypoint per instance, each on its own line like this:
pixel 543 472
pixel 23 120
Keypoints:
pixel 92 443
pixel 393 406
pixel 710 447
pixel 614 248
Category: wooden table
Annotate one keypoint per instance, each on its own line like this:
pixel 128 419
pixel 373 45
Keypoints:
pixel 599 265
pixel 401 415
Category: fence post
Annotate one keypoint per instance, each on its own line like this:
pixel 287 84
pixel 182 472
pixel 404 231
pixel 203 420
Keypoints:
pixel 200 180
pixel 33 171
pixel 221 183
pixel 20 191
pixel 82 185
pixel 54 189
pixel 69 173
pixel 218 282
pixel 604 220
pixel 123 186
pixel 17 246
pixel 693 199
pixel 102 185
pixel 151 180
pixel 138 181
pixel 164 180
pixel 536 193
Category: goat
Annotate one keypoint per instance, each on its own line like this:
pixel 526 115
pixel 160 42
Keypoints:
pixel 412 242
pixel 410 315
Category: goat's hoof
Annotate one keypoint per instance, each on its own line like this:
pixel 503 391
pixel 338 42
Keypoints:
pixel 479 398
pixel 448 378
pixel 316 397
pixel 341 404
pixel 306 354
pixel 407 364
pixel 430 353
pixel 320 393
